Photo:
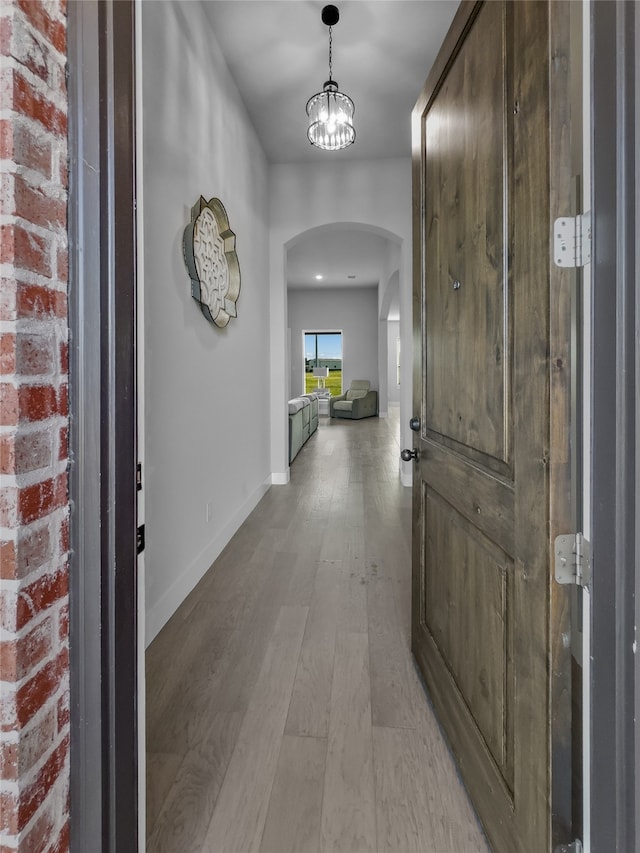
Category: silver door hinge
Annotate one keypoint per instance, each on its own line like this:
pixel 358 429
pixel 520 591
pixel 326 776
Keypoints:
pixel 573 847
pixel 573 559
pixel 572 240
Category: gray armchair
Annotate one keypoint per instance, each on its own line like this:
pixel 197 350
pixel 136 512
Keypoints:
pixel 358 402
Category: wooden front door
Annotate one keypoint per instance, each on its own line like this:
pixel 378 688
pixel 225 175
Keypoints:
pixel 482 601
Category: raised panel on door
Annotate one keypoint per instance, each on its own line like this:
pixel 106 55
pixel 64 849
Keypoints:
pixel 468 607
pixel 466 311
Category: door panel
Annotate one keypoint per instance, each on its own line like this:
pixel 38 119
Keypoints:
pixel 467 610
pixel 482 578
pixel 466 374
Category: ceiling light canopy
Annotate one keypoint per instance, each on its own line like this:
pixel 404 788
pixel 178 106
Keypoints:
pixel 330 111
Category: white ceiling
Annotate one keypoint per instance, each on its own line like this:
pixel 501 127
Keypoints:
pixel 277 52
pixel 335 255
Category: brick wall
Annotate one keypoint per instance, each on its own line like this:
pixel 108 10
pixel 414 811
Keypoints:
pixel 34 514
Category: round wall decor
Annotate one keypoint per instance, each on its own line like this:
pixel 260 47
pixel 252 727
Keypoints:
pixel 209 247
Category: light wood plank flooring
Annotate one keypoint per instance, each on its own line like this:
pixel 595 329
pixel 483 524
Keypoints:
pixel 284 712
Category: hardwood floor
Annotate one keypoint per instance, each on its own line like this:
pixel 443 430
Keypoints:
pixel 284 712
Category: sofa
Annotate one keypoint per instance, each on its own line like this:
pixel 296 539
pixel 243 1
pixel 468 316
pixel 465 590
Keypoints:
pixel 303 422
pixel 358 402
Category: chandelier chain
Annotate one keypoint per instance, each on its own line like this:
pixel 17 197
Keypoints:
pixel 330 53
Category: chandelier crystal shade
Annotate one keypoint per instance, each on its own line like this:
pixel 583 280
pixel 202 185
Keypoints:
pixel 330 111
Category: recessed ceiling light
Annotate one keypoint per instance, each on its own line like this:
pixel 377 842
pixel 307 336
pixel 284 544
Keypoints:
pixel 318 277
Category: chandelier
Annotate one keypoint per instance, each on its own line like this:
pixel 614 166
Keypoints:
pixel 330 111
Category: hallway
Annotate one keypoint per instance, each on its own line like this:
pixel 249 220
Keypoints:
pixel 283 708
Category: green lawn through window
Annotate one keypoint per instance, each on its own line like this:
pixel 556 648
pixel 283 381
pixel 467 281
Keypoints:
pixel 333 382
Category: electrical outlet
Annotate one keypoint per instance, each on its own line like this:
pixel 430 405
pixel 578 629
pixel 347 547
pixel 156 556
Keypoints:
pixel 208 512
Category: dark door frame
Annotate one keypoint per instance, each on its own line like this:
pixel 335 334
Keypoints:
pixel 103 426
pixel 614 736
pixel 102 293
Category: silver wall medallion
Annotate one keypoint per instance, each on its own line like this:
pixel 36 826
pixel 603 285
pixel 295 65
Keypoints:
pixel 209 247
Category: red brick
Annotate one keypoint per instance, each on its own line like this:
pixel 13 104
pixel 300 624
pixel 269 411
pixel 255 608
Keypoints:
pixel 7 560
pixel 64 173
pixel 62 844
pixel 9 404
pixel 30 800
pixel 32 51
pixel 33 205
pixel 64 535
pixel 63 400
pixel 31 149
pixel 34 548
pixel 42 498
pixel 25 250
pixel 38 837
pixel 26 47
pixel 19 657
pixel 54 31
pixel 63 444
pixel 8 290
pixel 40 595
pixel 9 760
pixel 32 251
pixel 62 266
pixel 6 139
pixel 29 102
pixel 35 354
pixel 6 30
pixel 8 609
pixel 36 740
pixel 7 354
pixel 64 357
pixel 37 402
pixel 61 496
pixel 64 714
pixel 8 506
pixel 33 450
pixel 34 301
pixel 8 659
pixel 35 794
pixel 35 692
pixel 63 624
pixel 7 454
pixel 7 248
pixel 9 808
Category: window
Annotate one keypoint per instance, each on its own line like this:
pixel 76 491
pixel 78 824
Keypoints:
pixel 323 349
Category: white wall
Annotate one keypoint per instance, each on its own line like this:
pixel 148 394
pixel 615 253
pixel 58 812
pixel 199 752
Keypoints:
pixel 375 194
pixel 354 312
pixel 206 389
pixel 393 332
pixel 388 300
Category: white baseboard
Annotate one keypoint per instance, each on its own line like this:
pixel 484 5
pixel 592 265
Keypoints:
pixel 160 613
pixel 280 479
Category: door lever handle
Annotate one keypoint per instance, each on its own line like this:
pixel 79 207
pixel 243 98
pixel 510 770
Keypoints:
pixel 407 455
